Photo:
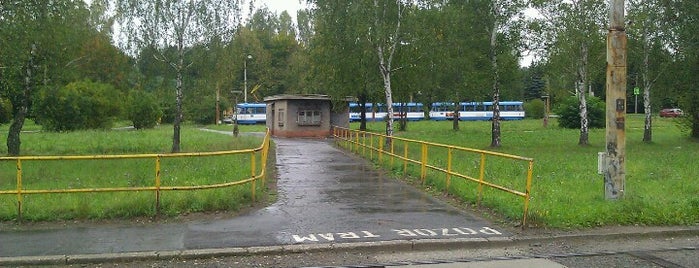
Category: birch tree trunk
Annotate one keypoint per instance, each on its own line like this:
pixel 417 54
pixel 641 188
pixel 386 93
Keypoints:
pixel 581 85
pixel 385 40
pixel 495 133
pixel 647 84
pixel 177 124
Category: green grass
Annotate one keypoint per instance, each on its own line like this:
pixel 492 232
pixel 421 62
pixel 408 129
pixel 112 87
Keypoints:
pixel 567 192
pixel 115 173
pixel 241 128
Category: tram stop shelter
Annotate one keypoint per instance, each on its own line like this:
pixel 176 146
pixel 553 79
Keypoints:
pixel 305 115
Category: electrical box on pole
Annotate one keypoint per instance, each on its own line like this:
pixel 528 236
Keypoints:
pixel 615 168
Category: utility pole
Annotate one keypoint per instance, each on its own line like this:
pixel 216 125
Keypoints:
pixel 547 103
pixel 615 162
pixel 218 101
pixel 245 78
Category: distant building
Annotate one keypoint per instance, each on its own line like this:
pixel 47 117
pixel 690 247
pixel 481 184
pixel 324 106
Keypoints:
pixel 305 115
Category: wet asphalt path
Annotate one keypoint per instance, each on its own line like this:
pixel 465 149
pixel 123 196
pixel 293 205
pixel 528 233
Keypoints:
pixel 326 195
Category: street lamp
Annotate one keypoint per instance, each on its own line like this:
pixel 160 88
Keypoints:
pixel 245 77
pixel 546 109
pixel 235 112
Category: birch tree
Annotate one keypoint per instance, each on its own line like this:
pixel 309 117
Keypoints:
pixel 571 29
pixel 163 24
pixel 39 41
pixel 384 36
pixel 649 29
pixel 505 15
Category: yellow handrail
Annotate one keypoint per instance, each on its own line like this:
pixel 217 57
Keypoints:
pixel 263 150
pixel 346 135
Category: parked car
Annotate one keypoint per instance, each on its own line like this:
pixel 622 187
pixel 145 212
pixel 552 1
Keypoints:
pixel 671 112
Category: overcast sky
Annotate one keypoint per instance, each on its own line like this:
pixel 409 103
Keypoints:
pixel 291 6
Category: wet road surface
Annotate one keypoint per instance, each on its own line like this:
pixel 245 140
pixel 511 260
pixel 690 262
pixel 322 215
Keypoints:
pixel 325 196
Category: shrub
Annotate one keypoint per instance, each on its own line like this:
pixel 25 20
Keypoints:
pixel 5 111
pixel 143 109
pixel 569 112
pixel 78 105
pixel 169 112
pixel 203 111
pixel 534 109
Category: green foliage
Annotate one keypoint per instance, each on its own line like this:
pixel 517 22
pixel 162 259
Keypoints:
pixel 533 82
pixel 169 112
pixel 203 112
pixel 535 109
pixel 78 105
pixel 5 111
pixel 143 109
pixel 568 111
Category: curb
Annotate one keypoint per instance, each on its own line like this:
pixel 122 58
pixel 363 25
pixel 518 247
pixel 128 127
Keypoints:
pixel 391 245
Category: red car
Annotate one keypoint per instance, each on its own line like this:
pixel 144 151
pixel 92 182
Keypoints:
pixel 671 112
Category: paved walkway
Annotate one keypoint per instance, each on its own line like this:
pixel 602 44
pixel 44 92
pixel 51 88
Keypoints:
pixel 326 196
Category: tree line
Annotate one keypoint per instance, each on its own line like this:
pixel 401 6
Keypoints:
pixel 171 61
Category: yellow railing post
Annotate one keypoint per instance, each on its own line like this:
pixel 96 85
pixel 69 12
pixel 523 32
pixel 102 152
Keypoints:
pixel 449 155
pixel 356 143
pixel 393 145
pixel 380 149
pixel 481 178
pixel 371 146
pixel 423 164
pixel 530 171
pixel 265 154
pixel 19 190
pixel 157 185
pixel 252 171
pixel 405 158
pixel 364 144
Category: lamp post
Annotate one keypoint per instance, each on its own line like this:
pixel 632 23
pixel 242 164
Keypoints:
pixel 245 77
pixel 235 112
pixel 546 109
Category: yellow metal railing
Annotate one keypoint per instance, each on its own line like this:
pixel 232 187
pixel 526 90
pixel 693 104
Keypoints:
pixel 375 143
pixel 257 173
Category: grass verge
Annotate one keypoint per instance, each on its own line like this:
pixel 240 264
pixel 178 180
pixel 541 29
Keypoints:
pixel 64 174
pixel 567 192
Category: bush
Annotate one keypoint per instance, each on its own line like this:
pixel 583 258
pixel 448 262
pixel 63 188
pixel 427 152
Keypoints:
pixel 78 105
pixel 5 111
pixel 534 109
pixel 203 111
pixel 143 110
pixel 169 112
pixel 569 112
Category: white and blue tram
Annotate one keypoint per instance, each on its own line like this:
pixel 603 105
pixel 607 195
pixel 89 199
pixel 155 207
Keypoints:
pixel 378 112
pixel 255 113
pixel 474 111
pixel 251 113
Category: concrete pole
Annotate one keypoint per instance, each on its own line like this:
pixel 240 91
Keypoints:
pixel 245 80
pixel 615 170
pixel 218 101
